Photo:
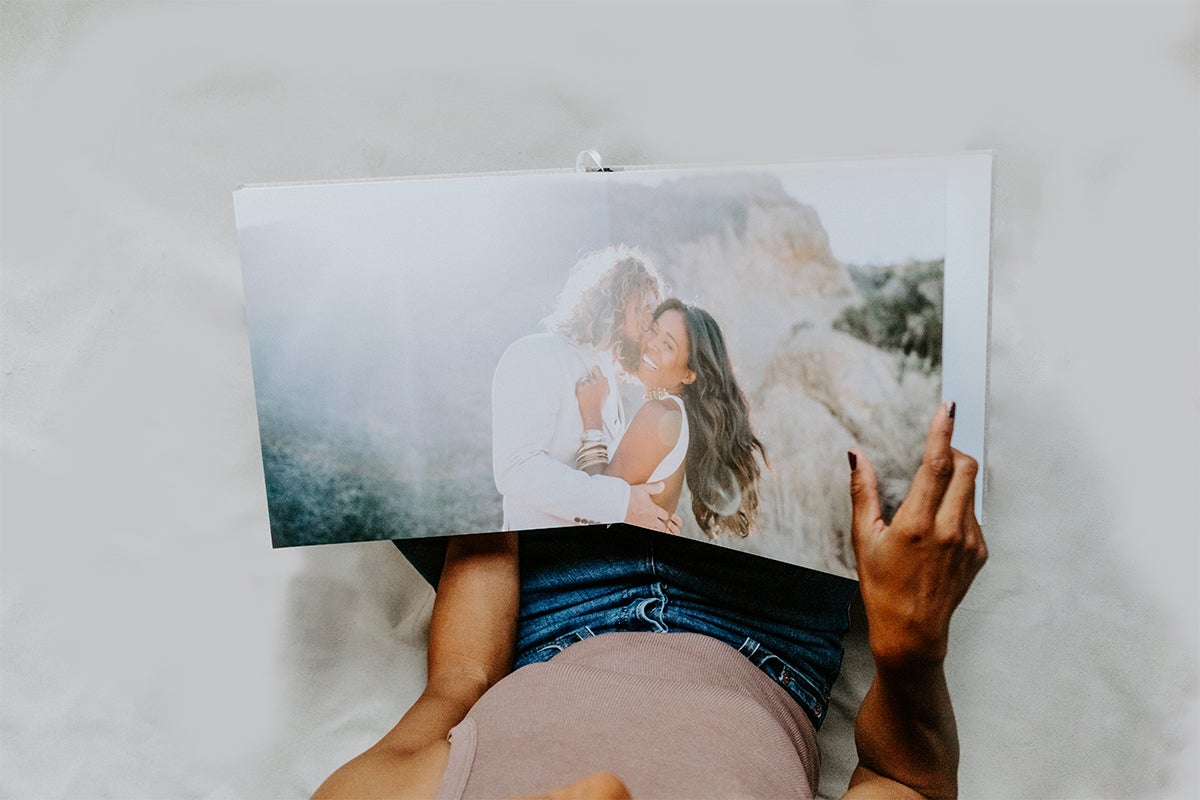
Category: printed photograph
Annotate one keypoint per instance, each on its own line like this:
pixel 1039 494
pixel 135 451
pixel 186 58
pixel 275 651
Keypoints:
pixel 457 355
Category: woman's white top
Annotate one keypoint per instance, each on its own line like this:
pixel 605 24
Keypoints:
pixel 666 468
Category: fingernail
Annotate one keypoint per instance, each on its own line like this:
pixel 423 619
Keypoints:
pixel 950 409
pixel 853 460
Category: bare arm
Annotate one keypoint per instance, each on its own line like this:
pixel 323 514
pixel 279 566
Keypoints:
pixel 471 638
pixel 913 574
pixel 652 433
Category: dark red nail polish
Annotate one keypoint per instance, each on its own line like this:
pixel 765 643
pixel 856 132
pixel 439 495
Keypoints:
pixel 853 460
pixel 950 410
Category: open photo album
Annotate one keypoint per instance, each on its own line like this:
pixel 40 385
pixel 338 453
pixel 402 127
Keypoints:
pixel 466 354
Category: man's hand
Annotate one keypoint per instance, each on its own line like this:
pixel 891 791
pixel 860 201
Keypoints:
pixel 914 572
pixel 645 513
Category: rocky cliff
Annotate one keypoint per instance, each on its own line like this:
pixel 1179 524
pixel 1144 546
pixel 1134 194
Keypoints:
pixel 760 262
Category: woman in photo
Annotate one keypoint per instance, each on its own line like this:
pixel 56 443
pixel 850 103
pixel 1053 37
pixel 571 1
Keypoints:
pixel 695 423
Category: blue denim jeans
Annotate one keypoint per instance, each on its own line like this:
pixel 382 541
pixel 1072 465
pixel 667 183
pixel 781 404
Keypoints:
pixel 582 582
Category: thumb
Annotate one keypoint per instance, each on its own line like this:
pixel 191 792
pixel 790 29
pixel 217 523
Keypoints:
pixel 864 496
pixel 597 372
pixel 655 488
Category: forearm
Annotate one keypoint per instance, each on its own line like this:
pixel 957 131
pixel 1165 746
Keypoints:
pixel 473 627
pixel 906 733
pixel 471 638
pixel 913 573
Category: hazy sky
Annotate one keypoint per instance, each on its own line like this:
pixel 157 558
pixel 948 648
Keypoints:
pixel 876 213
pixel 880 211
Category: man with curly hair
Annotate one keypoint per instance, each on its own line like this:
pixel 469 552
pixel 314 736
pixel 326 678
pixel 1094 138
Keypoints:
pixel 537 432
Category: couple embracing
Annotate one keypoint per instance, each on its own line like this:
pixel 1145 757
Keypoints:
pixel 565 450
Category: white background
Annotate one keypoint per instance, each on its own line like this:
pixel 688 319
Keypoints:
pixel 153 644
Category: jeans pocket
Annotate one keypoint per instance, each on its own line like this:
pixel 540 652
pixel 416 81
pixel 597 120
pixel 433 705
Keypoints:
pixel 795 681
pixel 551 649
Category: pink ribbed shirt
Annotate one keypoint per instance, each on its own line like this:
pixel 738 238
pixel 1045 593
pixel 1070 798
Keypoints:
pixel 674 715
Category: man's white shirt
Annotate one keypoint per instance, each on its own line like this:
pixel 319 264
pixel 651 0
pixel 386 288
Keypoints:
pixel 536 430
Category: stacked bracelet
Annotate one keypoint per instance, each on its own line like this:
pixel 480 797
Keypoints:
pixel 592 450
pixel 592 436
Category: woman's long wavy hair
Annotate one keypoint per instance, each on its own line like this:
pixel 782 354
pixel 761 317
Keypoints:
pixel 591 308
pixel 722 468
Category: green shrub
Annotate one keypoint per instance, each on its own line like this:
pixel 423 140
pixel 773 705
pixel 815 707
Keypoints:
pixel 901 310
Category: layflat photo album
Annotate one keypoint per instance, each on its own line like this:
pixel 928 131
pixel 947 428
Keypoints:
pixel 532 351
